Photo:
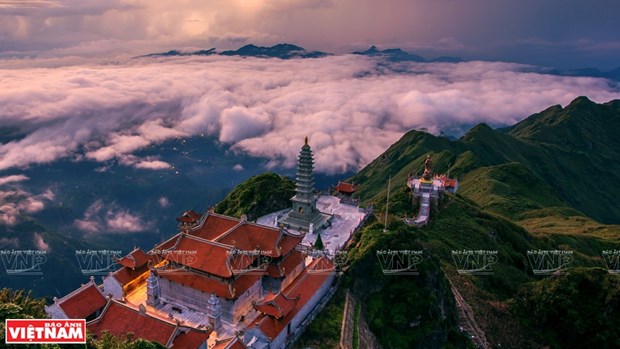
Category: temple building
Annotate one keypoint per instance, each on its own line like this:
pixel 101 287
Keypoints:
pixel 85 302
pixel 427 189
pixel 304 215
pixel 120 318
pixel 220 282
pixel 345 192
pixel 133 271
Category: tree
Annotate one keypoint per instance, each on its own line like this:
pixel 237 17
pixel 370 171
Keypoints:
pixel 318 244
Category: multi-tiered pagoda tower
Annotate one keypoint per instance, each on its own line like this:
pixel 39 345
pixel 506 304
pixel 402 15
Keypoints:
pixel 304 215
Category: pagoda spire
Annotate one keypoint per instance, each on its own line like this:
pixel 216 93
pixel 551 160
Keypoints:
pixel 304 209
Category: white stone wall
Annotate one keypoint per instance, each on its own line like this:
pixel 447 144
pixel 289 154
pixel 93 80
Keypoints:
pixel 55 312
pixel 243 304
pixel 113 287
pixel 231 311
pixel 280 341
pixel 186 296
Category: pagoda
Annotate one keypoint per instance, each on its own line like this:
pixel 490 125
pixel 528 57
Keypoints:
pixel 304 215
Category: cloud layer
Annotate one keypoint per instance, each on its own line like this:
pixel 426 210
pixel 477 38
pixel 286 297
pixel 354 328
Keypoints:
pixel 352 108
pixel 15 203
pixel 110 218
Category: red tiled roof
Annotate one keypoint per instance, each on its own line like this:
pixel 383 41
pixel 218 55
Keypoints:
pixel 344 187
pixel 304 287
pixel 276 304
pixel 447 181
pixel 136 258
pixel 190 339
pixel 210 285
pixel 254 237
pixel 225 246
pixel 288 263
pixel 214 226
pixel 119 319
pixel 166 245
pixel 189 217
pixel 291 261
pixel 204 255
pixel 126 275
pixel 82 302
pixel 289 242
pixel 230 343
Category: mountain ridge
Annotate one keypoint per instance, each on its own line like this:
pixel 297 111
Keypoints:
pixel 558 157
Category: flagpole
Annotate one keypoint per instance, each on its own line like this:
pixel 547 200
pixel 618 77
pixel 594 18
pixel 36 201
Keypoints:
pixel 387 205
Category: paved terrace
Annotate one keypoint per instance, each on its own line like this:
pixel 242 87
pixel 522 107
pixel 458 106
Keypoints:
pixel 187 316
pixel 347 218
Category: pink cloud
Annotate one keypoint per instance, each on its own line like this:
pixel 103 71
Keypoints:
pixel 351 108
pixel 16 203
pixel 13 179
pixel 109 218
pixel 40 243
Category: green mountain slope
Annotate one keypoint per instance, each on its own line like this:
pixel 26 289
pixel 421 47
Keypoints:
pixel 258 196
pixel 561 162
pixel 543 184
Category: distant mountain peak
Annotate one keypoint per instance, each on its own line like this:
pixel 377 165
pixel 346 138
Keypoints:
pixel 282 51
pixel 392 54
pixel 171 53
pixel 399 55
pixel 581 101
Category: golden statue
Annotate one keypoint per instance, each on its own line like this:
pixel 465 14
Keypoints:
pixel 428 163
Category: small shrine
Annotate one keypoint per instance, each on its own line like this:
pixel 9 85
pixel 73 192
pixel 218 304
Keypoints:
pixel 427 189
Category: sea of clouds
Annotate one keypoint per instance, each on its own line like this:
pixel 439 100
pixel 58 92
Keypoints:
pixel 351 107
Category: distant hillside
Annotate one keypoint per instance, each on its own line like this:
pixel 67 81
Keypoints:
pixel 550 174
pixel 258 196
pixel 398 55
pixel 560 162
pixel 592 72
pixel 283 51
pixel 208 52
pixel 393 54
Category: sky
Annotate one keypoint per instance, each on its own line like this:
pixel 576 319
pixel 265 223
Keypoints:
pixel 555 33
pixel 71 89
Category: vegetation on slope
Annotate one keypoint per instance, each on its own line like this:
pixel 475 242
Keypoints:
pixel 506 177
pixel 562 160
pixel 259 195
pixel 403 310
pixel 579 309
pixel 324 331
pixel 546 182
